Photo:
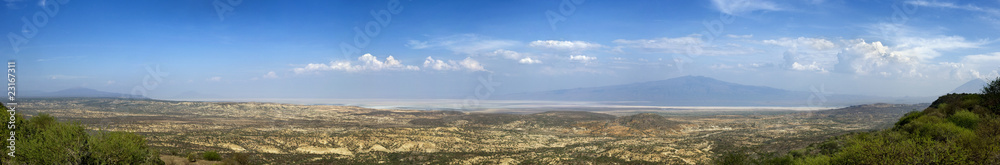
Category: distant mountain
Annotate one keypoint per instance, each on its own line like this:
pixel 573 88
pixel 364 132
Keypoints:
pixel 973 86
pixel 77 92
pixel 700 91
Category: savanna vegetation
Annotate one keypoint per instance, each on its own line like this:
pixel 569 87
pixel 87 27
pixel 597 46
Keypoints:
pixel 44 140
pixel 955 129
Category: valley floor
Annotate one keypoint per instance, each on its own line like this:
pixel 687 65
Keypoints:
pixel 274 133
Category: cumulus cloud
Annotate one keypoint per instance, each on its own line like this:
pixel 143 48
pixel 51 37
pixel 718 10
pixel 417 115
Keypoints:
pixel 468 64
pixel 808 67
pixel 737 7
pixel 366 62
pixel 564 45
pixel 983 66
pixel 470 44
pixel 528 60
pixel 582 58
pixel 865 58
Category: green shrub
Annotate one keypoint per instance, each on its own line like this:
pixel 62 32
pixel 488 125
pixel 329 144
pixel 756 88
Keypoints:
pixel 964 119
pixel 118 148
pixel 237 159
pixel 191 157
pixel 51 142
pixel 211 155
pixel 907 118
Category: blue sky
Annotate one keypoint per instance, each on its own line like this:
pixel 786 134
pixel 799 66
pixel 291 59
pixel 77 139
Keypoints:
pixel 441 49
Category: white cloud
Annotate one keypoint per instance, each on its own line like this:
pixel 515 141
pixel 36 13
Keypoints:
pixel 809 67
pixel 528 60
pixel 983 66
pixel 214 79
pixel 508 54
pixel 470 44
pixel 468 64
pixel 564 45
pixel 920 43
pixel 927 48
pixel 665 44
pixel 366 62
pixel 865 58
pixel 950 5
pixel 813 43
pixel 739 36
pixel 270 74
pixel 471 65
pixel 737 7
pixel 582 58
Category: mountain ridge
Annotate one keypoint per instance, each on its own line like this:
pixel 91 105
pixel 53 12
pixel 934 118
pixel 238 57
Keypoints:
pixel 701 91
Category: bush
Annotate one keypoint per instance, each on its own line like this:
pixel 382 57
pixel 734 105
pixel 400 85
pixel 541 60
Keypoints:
pixel 51 142
pixel 907 118
pixel 211 155
pixel 964 119
pixel 191 157
pixel 119 148
pixel 237 159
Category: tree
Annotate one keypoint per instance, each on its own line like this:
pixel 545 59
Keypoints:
pixel 119 148
pixel 991 94
pixel 211 155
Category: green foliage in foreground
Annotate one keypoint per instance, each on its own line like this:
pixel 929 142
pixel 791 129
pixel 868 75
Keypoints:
pixel 44 140
pixel 211 155
pixel 955 129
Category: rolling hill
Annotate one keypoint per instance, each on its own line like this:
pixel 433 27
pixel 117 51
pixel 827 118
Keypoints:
pixel 700 91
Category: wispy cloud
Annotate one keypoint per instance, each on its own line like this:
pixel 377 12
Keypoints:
pixel 737 7
pixel 564 45
pixel 664 44
pixel 923 44
pixel 66 77
pixel 469 44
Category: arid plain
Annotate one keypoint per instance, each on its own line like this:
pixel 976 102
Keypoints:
pixel 276 133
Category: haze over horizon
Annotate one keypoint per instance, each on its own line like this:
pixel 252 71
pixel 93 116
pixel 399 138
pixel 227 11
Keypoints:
pixel 432 49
